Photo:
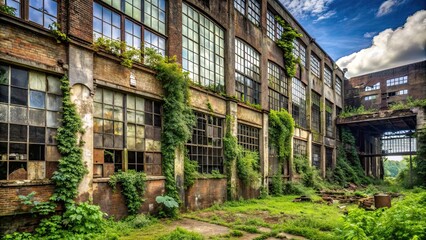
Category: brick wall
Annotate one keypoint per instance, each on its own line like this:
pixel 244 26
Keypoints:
pixel 81 19
pixel 204 193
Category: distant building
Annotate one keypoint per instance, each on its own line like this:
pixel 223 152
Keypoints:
pixel 380 89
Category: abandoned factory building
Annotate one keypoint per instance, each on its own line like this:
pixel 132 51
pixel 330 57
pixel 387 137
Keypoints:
pixel 229 49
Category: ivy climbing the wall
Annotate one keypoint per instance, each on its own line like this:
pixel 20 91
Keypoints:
pixel 285 42
pixel 178 117
pixel 230 145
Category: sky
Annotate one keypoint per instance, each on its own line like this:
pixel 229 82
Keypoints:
pixel 365 35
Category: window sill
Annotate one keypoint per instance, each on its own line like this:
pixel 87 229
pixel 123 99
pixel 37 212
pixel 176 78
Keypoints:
pixel 25 24
pixel 136 65
pixel 148 178
pixel 20 183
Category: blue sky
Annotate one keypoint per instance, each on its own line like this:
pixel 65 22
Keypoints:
pixel 343 27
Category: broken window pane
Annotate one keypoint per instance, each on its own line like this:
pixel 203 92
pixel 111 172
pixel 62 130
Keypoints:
pixel 37 134
pixel 3 131
pixel 17 170
pixel 19 78
pixel 18 133
pixel 148 119
pixel 37 81
pixel 4 75
pixel 37 117
pixel 17 151
pixel 36 152
pixel 18 96
pixel 3 151
pixel 52 119
pixel 3 170
pixel 157 107
pixel 157 120
pixel 37 99
pixel 54 85
pixel 3 113
pixel 18 115
pixel 51 134
pixel 4 93
pixel 54 102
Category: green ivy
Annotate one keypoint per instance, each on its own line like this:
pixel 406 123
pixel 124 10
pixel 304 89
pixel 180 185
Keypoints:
pixel 190 172
pixel 230 145
pixel 8 10
pixel 71 168
pixel 132 186
pixel 286 44
pixel 178 117
pixel 281 128
pixel 248 167
pixel 409 103
pixel 128 55
pixel 59 36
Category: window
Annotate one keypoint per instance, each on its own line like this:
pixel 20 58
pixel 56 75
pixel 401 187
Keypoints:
pixel 155 14
pixel 329 119
pixel 328 158
pixel 248 137
pixel 374 87
pixel 315 65
pixel 316 112
pixel 247 75
pixel 206 146
pixel 338 86
pixel 316 156
pixel 42 12
pixel 274 29
pixel 30 105
pixel 338 131
pixel 402 92
pixel 397 81
pixel 299 51
pixel 250 9
pixel 370 97
pixel 126 121
pixel 299 102
pixel 299 147
pixel 327 77
pixel 124 25
pixel 278 87
pixel 203 49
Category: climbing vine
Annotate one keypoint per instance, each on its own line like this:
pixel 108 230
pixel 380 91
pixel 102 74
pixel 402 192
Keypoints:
pixel 286 44
pixel 230 145
pixel 128 55
pixel 281 128
pixel 248 167
pixel 132 186
pixel 7 9
pixel 178 116
pixel 57 33
pixel 71 168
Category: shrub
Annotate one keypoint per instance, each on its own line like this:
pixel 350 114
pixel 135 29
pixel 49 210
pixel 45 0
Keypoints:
pixel 169 206
pixel 277 184
pixel 190 172
pixel 248 167
pixel 182 234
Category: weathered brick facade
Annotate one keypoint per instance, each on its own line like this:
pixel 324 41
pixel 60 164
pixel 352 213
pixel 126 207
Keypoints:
pixel 31 46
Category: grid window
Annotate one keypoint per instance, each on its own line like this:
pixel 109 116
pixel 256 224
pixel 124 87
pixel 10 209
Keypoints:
pixel 316 156
pixel 270 25
pixel 206 146
pixel 125 25
pixel 299 51
pixel 203 53
pixel 155 15
pixel 315 65
pixel 327 77
pixel 278 87
pixel 299 147
pixel 127 121
pixel 250 9
pixel 30 105
pixel 247 74
pixel 328 158
pixel 329 119
pixel 370 97
pixel 248 137
pixel 374 87
pixel 338 86
pixel 397 81
pixel 299 102
pixel 338 111
pixel 316 112
pixel 42 12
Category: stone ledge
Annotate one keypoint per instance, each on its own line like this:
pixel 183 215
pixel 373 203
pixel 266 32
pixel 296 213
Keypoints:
pixel 148 178
pixel 20 183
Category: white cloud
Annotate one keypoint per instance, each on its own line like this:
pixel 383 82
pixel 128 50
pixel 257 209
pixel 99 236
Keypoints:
pixel 326 15
pixel 386 7
pixel 303 8
pixel 390 48
pixel 369 34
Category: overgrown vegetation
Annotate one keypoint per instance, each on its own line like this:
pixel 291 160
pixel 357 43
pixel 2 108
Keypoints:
pixel 168 206
pixel 132 187
pixel 190 172
pixel 248 167
pixel 285 42
pixel 392 168
pixel 230 145
pixel 183 234
pixel 406 219
pixel 408 104
pixel 128 55
pixel 350 111
pixel 55 28
pixel 177 115
pixel 7 9
pixel 310 176
pixel 348 166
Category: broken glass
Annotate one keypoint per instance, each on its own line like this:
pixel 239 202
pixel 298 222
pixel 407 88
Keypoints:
pixel 17 151
pixel 37 99
pixel 19 78
pixel 36 152
pixel 18 133
pixel 3 132
pixel 4 74
pixel 17 170
pixel 4 93
pixel 37 134
pixel 37 81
